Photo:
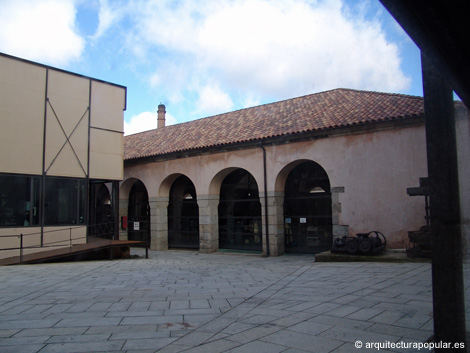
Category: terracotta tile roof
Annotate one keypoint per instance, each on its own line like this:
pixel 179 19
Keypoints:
pixel 315 112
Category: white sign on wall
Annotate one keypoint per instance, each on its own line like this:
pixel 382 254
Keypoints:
pixel 136 226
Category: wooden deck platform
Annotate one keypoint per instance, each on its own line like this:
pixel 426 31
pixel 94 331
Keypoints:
pixel 95 249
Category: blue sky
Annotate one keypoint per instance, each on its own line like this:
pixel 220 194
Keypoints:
pixel 206 57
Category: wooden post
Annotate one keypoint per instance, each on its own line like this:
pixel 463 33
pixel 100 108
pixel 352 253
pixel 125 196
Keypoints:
pixel 447 256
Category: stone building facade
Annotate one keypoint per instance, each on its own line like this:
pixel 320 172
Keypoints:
pixel 283 177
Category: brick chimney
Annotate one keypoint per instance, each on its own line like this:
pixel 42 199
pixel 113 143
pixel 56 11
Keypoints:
pixel 161 115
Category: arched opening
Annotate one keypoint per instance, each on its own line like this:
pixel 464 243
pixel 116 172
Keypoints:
pixel 240 212
pixel 183 215
pixel 139 213
pixel 101 211
pixel 307 210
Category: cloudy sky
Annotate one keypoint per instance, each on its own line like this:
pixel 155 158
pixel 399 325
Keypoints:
pixel 205 57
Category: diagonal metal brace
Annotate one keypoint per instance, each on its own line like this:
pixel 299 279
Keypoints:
pixel 67 138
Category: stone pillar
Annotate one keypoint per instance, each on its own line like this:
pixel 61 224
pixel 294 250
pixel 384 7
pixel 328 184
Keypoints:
pixel 263 226
pixel 208 223
pixel 123 212
pixel 159 223
pixel 338 230
pixel 275 223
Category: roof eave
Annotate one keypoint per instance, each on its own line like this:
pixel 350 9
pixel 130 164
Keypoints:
pixel 351 129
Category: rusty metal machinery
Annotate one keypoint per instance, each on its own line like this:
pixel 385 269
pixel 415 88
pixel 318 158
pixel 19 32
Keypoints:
pixel 361 244
pixel 421 239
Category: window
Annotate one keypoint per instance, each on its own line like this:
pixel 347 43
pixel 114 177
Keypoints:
pixel 19 200
pixel 64 201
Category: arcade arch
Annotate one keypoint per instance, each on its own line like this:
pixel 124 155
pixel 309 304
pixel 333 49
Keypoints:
pixel 307 208
pixel 101 223
pixel 229 212
pixel 138 211
pixel 183 215
pixel 239 212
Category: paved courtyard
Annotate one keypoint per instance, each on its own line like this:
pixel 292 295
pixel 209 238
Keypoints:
pixel 190 302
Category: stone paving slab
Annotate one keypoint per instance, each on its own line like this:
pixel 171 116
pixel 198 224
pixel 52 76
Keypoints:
pixel 190 302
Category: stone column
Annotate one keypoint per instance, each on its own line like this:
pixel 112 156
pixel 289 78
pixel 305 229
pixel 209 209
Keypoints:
pixel 338 230
pixel 275 223
pixel 159 223
pixel 208 223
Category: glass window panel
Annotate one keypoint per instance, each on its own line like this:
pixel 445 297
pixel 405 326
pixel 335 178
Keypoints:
pixel 35 184
pixel 81 202
pixel 64 201
pixel 19 200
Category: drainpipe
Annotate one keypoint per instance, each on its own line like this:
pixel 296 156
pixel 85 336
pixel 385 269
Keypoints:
pixel 265 199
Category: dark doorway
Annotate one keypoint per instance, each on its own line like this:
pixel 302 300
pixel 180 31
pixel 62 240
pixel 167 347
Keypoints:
pixel 240 213
pixel 101 211
pixel 139 213
pixel 307 210
pixel 183 215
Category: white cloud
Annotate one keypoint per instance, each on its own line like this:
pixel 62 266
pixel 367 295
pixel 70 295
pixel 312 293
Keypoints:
pixel 212 100
pixel 109 14
pixel 279 48
pixel 40 30
pixel 291 47
pixel 170 24
pixel 145 121
pixel 251 101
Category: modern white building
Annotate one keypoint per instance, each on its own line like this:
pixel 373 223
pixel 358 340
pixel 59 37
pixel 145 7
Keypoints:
pixel 61 144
